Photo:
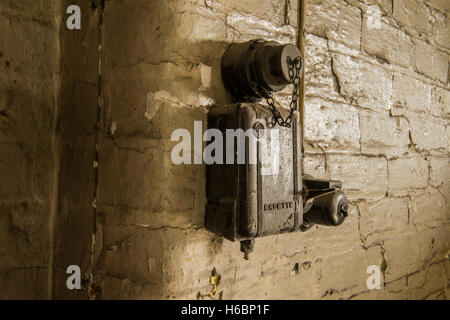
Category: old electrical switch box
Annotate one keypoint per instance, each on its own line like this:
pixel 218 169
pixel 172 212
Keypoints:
pixel 260 197
pixel 260 189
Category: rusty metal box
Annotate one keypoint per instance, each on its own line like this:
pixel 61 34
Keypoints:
pixel 249 199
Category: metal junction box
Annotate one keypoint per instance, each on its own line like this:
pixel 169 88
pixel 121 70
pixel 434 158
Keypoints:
pixel 264 198
pixel 259 188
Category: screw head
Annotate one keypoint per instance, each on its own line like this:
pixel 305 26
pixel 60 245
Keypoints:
pixel 258 129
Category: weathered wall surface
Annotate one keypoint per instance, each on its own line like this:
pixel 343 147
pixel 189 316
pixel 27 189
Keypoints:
pixel 378 97
pixel 86 176
pixel 76 142
pixel 376 116
pixel 48 112
pixel 29 69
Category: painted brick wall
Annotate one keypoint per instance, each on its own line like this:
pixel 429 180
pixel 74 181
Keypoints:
pixel 376 117
pixel 29 73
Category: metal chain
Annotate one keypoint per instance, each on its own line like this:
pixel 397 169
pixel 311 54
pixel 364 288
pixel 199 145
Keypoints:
pixel 294 74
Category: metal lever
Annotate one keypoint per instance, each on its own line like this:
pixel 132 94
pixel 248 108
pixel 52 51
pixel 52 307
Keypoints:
pixel 325 203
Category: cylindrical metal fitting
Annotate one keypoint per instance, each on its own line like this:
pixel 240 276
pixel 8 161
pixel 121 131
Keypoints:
pixel 253 69
pixel 329 209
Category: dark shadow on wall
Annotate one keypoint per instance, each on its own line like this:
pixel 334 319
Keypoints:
pixel 148 208
pixel 76 133
pixel 126 221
